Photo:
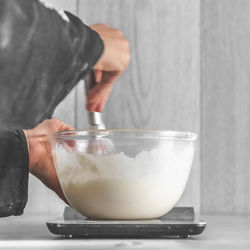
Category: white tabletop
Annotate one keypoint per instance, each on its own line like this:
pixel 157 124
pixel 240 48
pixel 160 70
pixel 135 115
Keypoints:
pixel 222 232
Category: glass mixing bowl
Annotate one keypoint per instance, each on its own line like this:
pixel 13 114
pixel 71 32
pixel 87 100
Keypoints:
pixel 123 174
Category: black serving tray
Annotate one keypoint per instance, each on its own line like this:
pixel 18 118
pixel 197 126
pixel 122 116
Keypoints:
pixel 180 221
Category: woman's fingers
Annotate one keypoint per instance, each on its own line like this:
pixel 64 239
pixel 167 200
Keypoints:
pixel 98 76
pixel 99 94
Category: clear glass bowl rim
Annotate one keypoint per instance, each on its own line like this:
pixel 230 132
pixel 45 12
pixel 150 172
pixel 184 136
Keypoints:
pixel 125 133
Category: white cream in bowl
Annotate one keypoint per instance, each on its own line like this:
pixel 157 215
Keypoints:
pixel 120 187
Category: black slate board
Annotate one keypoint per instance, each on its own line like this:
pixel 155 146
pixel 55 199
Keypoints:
pixel 180 221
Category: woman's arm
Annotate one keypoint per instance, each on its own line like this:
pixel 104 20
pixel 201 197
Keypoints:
pixel 21 153
pixel 42 57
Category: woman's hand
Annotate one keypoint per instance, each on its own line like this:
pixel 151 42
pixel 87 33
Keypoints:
pixel 111 65
pixel 40 158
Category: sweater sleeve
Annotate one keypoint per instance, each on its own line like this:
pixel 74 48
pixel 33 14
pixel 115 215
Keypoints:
pixel 42 57
pixel 14 171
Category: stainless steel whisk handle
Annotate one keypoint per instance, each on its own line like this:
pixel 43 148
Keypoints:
pixel 95 118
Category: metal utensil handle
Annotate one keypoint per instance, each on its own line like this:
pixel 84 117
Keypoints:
pixel 95 118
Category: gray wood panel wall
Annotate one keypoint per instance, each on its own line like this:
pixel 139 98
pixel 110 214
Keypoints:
pixel 226 106
pixel 161 88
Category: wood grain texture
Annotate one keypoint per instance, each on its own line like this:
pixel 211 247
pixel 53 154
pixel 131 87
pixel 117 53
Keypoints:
pixel 41 199
pixel 161 88
pixel 225 106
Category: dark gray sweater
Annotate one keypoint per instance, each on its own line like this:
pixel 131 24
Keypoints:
pixel 42 57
